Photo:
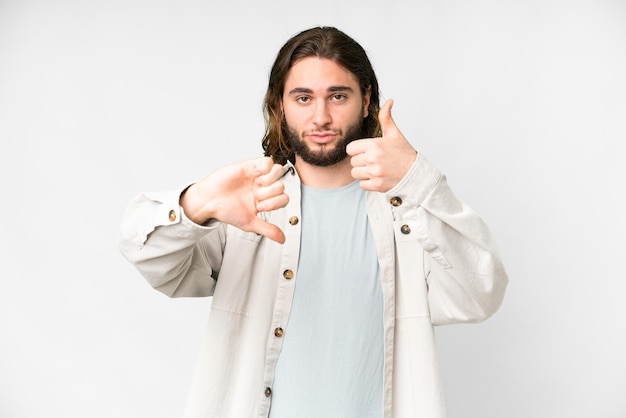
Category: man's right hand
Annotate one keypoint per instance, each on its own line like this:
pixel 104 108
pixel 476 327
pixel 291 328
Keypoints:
pixel 235 194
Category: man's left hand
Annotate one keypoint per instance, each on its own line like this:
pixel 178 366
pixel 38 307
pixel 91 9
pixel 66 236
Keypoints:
pixel 380 163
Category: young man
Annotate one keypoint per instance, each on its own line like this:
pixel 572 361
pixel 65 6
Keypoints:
pixel 329 260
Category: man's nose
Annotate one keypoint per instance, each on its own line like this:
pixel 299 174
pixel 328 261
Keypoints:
pixel 322 115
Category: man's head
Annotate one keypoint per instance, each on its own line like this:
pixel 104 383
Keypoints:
pixel 306 61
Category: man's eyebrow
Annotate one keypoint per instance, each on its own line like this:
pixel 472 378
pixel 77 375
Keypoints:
pixel 334 89
pixel 299 90
pixel 331 89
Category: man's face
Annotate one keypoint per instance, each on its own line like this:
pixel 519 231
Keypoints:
pixel 324 110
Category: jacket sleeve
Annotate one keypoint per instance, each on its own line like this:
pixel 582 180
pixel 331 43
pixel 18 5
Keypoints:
pixel 464 272
pixel 175 255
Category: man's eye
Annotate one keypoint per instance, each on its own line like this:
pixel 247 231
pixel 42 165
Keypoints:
pixel 338 97
pixel 303 99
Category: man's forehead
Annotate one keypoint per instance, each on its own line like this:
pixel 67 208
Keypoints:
pixel 316 73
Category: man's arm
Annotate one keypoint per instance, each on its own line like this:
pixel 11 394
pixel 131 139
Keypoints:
pixel 177 242
pixel 462 264
pixel 465 275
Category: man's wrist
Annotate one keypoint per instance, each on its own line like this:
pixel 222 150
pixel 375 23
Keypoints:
pixel 195 207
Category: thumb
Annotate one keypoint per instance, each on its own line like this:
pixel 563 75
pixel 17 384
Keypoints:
pixel 267 229
pixel 385 119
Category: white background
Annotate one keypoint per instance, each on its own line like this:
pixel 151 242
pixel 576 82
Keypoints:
pixel 521 103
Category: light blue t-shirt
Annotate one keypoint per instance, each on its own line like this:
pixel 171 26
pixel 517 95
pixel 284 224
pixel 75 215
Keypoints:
pixel 331 363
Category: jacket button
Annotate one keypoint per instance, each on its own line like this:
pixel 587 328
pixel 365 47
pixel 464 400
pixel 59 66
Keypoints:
pixel 278 332
pixel 268 392
pixel 172 215
pixel 405 229
pixel 293 220
pixel 288 274
pixel 395 201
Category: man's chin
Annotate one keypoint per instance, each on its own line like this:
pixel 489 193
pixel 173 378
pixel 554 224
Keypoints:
pixel 326 158
pixel 326 154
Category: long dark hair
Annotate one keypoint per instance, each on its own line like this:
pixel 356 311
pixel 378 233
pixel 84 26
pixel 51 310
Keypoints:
pixel 322 42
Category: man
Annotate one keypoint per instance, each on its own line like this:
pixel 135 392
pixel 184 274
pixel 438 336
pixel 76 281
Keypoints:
pixel 329 260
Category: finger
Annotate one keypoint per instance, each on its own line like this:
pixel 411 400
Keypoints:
pixel 275 172
pixel 274 189
pixel 360 173
pixel 268 230
pixel 371 185
pixel 356 147
pixel 262 166
pixel 385 119
pixel 273 203
pixel 359 160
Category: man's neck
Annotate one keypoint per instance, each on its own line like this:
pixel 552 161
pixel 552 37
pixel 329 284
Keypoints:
pixel 329 177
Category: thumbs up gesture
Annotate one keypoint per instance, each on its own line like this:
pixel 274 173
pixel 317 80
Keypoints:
pixel 380 163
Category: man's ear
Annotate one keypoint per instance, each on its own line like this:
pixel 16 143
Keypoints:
pixel 366 102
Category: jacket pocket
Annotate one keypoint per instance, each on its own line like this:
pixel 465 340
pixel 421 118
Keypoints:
pixel 407 231
pixel 239 282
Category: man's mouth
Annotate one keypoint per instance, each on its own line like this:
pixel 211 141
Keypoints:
pixel 321 137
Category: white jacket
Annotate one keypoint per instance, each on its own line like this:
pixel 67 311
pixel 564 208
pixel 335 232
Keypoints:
pixel 439 265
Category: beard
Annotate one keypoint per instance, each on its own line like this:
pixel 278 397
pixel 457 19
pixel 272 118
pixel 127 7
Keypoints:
pixel 324 156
